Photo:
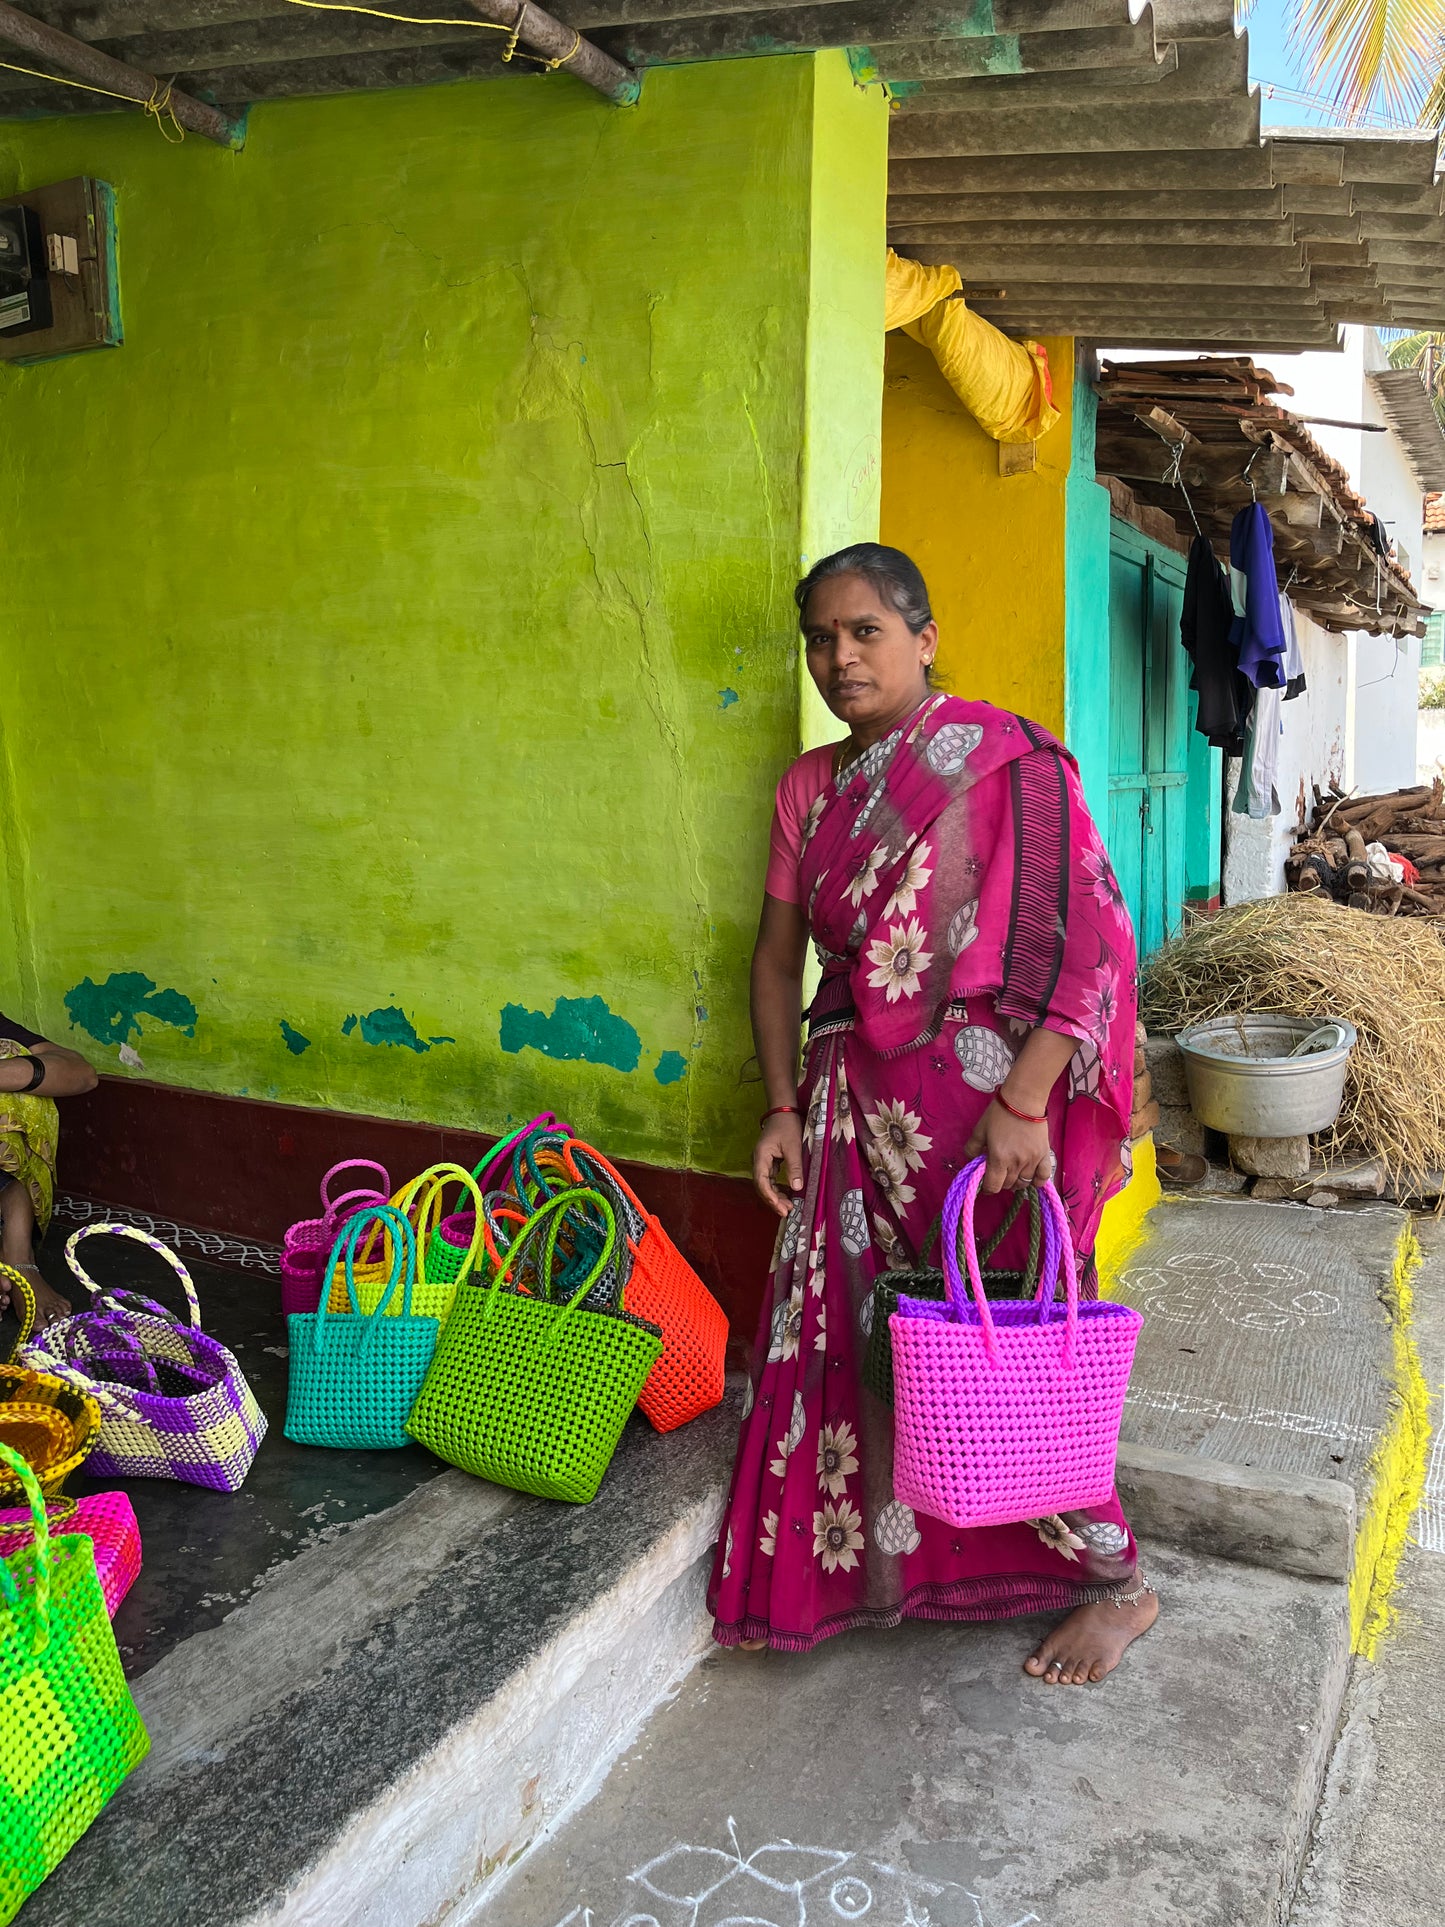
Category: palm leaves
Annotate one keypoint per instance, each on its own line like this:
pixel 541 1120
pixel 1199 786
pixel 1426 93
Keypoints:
pixel 1375 56
pixel 1425 351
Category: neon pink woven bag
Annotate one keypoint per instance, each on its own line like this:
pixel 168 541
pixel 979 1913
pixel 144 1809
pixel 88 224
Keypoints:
pixel 1007 1410
pixel 107 1519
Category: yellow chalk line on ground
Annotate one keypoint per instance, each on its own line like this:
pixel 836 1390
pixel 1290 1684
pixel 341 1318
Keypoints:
pixel 1397 1466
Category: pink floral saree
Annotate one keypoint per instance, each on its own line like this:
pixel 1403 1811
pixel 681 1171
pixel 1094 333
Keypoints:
pixel 958 895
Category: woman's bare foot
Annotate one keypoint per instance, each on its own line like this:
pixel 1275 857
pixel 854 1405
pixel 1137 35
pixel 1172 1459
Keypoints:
pixel 1089 1644
pixel 49 1305
pixel 752 1645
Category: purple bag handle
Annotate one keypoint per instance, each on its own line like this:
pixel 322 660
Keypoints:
pixel 1058 1250
pixel 328 1204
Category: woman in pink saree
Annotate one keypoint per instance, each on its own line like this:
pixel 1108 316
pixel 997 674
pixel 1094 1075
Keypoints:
pixel 977 998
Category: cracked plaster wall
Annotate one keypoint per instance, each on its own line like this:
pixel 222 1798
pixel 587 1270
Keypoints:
pixel 403 614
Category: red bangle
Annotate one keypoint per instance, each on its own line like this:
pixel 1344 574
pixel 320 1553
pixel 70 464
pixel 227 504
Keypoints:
pixel 1024 1117
pixel 780 1110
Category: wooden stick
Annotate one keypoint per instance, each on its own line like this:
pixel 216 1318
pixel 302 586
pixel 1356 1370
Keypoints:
pixel 542 33
pixel 115 76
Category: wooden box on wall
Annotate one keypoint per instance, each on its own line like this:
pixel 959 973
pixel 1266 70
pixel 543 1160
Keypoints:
pixel 85 303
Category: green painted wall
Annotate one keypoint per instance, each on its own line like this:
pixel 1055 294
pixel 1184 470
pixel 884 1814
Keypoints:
pixel 1086 607
pixel 399 636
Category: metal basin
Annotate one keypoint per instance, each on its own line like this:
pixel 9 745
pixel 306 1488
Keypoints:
pixel 1243 1080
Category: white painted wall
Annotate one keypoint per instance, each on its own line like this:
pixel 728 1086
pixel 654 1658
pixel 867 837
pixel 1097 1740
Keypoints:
pixel 1381 723
pixel 1313 749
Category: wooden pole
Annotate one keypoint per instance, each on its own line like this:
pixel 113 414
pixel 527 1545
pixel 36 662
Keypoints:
pixel 115 76
pixel 542 33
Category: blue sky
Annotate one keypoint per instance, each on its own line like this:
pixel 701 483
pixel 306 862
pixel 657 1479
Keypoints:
pixel 1271 60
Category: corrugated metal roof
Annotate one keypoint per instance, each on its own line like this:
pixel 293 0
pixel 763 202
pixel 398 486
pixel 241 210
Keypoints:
pixel 1088 173
pixel 1407 407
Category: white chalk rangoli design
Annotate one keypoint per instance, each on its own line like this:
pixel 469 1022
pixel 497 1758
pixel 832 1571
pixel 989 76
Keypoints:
pixel 785 1885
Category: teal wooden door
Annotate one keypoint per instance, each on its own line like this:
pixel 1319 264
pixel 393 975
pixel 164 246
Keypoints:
pixel 1149 705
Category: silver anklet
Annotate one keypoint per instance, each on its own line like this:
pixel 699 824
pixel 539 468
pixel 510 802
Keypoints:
pixel 1143 1591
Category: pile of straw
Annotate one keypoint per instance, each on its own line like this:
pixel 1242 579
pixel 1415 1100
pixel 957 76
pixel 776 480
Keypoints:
pixel 1309 958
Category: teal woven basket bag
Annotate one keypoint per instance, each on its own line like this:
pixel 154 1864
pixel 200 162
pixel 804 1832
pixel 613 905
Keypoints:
pixel 530 1393
pixel 355 1375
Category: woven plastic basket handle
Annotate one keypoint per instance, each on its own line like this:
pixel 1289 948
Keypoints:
pixel 108 1397
pixel 555 1210
pixel 40 1526
pixel 543 1121
pixel 958 1237
pixel 403 1269
pixel 338 1213
pixel 20 1288
pixel 72 1245
pixel 328 1203
pixel 428 1193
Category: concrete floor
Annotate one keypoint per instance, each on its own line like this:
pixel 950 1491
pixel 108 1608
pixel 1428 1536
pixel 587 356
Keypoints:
pixel 206 1552
pixel 1379 1851
pixel 931 1781
pixel 920 1777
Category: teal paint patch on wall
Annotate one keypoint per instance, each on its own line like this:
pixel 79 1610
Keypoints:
pixel 111 1012
pixel 579 1030
pixel 1086 607
pixel 293 1039
pixel 671 1067
pixel 497 400
pixel 391 1026
pixel 726 698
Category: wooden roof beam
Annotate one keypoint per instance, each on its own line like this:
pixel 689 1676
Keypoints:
pixel 88 63
pixel 542 33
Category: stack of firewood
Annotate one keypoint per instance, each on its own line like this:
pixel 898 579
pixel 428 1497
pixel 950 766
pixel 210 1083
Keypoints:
pixel 1332 859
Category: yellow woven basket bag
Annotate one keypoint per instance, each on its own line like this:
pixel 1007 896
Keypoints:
pixel 50 1424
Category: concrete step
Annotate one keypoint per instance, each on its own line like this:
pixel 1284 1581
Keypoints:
pixel 400 1712
pixel 920 1776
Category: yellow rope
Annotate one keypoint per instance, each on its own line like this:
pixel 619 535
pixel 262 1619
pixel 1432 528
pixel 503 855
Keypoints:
pixel 562 59
pixel 159 103
pixel 511 51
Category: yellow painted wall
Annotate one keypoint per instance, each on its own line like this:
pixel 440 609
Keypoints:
pixel 991 548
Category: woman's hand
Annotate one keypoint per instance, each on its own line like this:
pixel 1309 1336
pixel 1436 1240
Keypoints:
pixel 780 1143
pixel 1017 1152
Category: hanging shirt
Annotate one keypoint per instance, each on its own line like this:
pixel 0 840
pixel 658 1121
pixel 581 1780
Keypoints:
pixel 1204 629
pixel 1256 795
pixel 1294 662
pixel 1257 631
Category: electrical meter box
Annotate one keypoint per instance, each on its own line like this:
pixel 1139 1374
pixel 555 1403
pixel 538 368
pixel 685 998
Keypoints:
pixel 58 288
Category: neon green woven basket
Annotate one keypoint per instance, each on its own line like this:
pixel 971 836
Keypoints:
pixel 532 1394
pixel 69 1730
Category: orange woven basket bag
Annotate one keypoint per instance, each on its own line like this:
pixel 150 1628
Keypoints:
pixel 687 1379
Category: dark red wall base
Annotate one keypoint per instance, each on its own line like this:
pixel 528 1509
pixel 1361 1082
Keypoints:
pixel 248 1168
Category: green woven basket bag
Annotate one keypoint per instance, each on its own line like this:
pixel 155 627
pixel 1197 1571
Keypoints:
pixel 530 1393
pixel 926 1282
pixel 69 1730
pixel 354 1376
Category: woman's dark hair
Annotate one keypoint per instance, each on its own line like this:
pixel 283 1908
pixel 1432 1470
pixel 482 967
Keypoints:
pixel 894 575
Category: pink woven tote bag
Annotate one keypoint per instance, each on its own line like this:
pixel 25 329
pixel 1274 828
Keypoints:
pixel 1007 1410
